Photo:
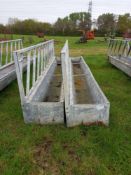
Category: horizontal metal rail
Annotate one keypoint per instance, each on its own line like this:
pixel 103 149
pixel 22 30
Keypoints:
pixel 6 51
pixel 40 55
pixel 24 50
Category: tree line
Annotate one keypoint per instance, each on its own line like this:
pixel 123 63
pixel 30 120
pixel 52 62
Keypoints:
pixel 70 25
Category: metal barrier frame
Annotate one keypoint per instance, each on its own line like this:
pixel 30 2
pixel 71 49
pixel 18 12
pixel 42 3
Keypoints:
pixel 7 68
pixel 119 54
pixel 44 63
pixel 9 46
pixel 41 55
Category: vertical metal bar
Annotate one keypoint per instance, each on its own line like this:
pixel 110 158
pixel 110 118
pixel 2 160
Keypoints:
pixel 48 53
pixel 1 53
pixel 123 51
pixel 15 45
pixel 6 53
pixel 112 47
pixel 21 66
pixel 11 52
pixel 115 54
pixel 34 67
pixel 46 59
pixel 44 56
pixel 127 48
pixel 109 47
pixel 53 48
pixel 109 43
pixel 38 63
pixel 42 59
pixel 114 43
pixel 28 73
pixel 129 51
pixel 19 44
pixel 120 48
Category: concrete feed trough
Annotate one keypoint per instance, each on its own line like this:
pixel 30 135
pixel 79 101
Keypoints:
pixel 45 105
pixel 85 102
pixel 42 97
pixel 89 105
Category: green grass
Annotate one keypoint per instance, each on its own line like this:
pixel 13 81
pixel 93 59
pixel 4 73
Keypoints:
pixel 57 150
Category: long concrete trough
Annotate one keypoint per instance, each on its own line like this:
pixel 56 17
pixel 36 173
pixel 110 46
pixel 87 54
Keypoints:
pixel 42 95
pixel 85 103
pixel 89 104
pixel 119 55
pixel 45 104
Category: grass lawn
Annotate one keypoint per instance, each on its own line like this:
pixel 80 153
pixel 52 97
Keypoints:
pixel 57 150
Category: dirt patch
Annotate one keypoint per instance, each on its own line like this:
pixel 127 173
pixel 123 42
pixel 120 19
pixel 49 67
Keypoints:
pixel 71 150
pixel 43 160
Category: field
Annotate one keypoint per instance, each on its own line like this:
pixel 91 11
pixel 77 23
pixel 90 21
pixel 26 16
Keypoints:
pixel 57 150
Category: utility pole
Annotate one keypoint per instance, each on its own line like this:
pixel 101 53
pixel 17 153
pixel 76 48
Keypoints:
pixel 90 12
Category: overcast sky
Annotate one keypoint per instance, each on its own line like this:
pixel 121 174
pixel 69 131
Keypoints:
pixel 50 10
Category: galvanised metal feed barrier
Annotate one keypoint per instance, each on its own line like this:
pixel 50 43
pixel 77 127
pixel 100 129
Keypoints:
pixel 85 102
pixel 36 83
pixel 7 69
pixel 6 51
pixel 119 54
